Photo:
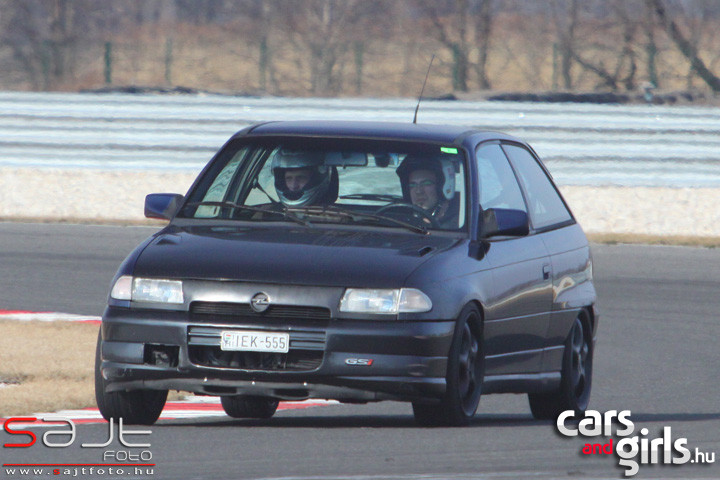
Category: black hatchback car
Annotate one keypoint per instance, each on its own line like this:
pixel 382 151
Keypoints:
pixel 356 261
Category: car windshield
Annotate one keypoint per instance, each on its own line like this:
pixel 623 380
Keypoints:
pixel 411 185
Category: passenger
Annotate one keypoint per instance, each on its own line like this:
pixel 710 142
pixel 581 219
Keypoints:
pixel 429 184
pixel 302 179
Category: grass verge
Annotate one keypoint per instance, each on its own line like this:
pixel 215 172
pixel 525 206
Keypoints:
pixel 48 364
pixel 644 239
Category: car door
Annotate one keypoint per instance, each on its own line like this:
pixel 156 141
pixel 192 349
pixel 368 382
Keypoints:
pixel 566 244
pixel 518 310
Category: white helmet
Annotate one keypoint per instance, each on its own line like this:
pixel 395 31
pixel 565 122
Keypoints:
pixel 318 188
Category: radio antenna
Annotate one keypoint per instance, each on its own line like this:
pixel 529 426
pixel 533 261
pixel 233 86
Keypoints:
pixel 423 89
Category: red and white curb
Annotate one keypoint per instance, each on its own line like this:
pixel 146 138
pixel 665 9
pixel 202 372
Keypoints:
pixel 192 407
pixel 26 316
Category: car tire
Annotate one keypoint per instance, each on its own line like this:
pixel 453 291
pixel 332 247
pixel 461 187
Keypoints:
pixel 136 407
pixel 465 372
pixel 576 376
pixel 244 406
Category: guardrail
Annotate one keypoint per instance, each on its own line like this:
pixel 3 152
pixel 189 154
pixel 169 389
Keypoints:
pixel 581 144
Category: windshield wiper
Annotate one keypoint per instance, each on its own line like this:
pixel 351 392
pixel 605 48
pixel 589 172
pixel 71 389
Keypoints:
pixel 356 216
pixel 248 208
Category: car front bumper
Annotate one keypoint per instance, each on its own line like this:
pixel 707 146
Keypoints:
pixel 342 359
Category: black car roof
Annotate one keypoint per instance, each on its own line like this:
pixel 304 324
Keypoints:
pixel 378 130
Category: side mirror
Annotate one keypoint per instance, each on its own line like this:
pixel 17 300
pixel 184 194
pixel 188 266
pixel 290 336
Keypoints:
pixel 504 222
pixel 162 205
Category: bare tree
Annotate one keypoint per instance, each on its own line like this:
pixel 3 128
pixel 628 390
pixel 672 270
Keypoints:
pixel 625 68
pixel 565 13
pixel 49 39
pixel 255 25
pixel 42 38
pixel 697 17
pixel 483 34
pixel 265 49
pixel 686 47
pixel 328 30
pixel 627 60
pixel 201 12
pixel 651 49
pixel 155 11
pixel 332 47
pixel 23 32
pixel 452 34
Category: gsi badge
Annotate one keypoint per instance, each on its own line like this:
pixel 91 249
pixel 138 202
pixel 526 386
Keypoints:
pixel 360 362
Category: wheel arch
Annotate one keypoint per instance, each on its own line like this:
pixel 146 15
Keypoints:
pixel 478 329
pixel 589 315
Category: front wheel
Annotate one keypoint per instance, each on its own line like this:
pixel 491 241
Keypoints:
pixel 576 379
pixel 136 407
pixel 464 376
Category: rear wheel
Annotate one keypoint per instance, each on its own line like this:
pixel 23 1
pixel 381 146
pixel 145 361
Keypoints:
pixel 464 376
pixel 243 406
pixel 576 380
pixel 136 407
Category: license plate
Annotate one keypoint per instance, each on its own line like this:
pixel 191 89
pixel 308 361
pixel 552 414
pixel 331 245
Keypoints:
pixel 255 342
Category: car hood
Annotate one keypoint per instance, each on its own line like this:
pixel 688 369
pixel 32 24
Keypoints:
pixel 287 254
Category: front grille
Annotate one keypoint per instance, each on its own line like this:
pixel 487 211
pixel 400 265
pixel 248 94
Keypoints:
pixel 205 311
pixel 292 361
pixel 307 349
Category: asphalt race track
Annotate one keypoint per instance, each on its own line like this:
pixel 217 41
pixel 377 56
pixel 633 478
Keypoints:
pixel 656 356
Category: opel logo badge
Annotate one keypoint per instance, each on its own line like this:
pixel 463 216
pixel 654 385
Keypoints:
pixel 260 302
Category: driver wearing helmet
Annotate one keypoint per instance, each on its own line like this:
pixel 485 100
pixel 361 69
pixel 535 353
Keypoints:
pixel 302 179
pixel 429 183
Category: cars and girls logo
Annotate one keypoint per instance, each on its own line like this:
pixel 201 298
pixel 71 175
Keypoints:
pixel 132 458
pixel 632 450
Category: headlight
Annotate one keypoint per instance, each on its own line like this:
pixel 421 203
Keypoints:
pixel 404 300
pixel 147 290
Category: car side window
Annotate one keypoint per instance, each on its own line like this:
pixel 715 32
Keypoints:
pixel 497 182
pixel 545 204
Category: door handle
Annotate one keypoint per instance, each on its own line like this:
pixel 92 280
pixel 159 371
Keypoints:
pixel 546 271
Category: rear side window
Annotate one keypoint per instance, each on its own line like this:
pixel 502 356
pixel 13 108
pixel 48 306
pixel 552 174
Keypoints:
pixel 497 183
pixel 546 207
